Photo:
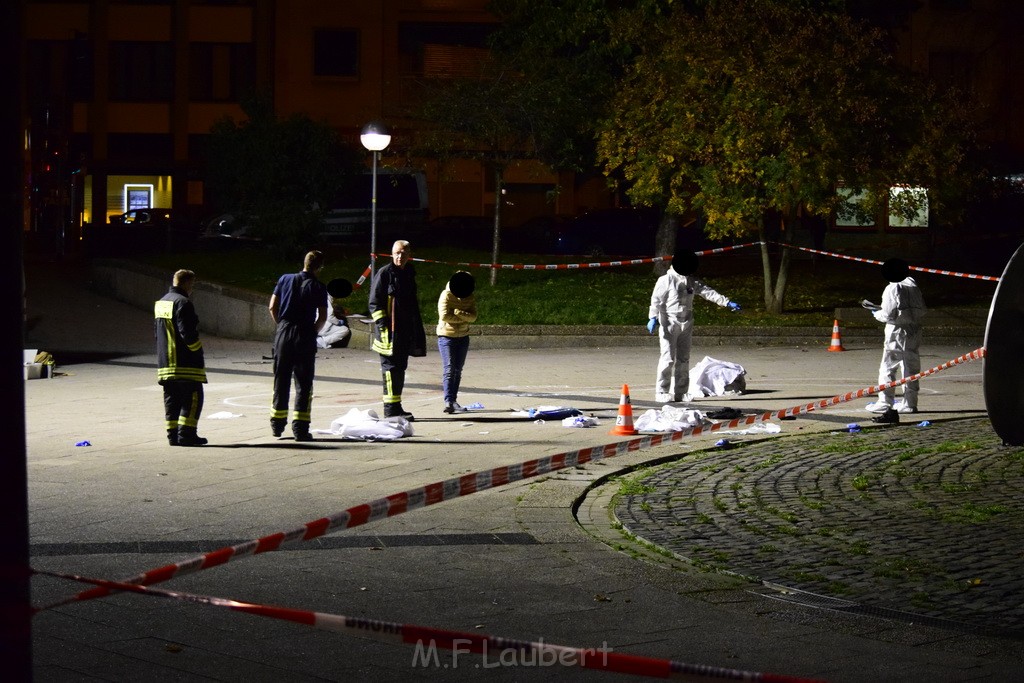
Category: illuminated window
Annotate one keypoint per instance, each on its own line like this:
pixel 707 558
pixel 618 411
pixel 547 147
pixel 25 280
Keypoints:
pixel 908 207
pixel 852 216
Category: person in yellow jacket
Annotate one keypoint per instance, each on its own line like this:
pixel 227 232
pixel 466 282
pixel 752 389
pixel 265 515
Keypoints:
pixel 456 309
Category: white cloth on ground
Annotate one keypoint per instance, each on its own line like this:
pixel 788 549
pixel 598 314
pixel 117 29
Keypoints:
pixel 365 425
pixel 712 377
pixel 668 419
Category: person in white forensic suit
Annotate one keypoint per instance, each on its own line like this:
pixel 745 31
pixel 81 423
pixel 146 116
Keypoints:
pixel 335 333
pixel 901 310
pixel 672 310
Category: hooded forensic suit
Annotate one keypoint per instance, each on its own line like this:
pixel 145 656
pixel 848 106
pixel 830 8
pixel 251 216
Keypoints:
pixel 901 310
pixel 672 306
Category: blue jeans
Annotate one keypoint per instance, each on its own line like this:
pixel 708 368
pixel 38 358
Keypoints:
pixel 453 357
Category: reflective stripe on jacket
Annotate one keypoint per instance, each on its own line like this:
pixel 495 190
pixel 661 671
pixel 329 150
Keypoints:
pixel 179 351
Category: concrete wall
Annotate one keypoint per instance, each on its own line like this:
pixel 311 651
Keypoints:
pixel 223 311
pixel 242 314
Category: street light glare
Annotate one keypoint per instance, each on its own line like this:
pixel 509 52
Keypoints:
pixel 375 136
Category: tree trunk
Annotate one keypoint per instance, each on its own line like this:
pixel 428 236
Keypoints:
pixel 499 184
pixel 779 295
pixel 665 241
pixel 775 292
pixel 766 268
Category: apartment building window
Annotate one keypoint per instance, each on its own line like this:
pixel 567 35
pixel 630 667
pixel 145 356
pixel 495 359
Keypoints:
pixel 852 218
pixel 149 146
pixel 902 198
pixel 443 50
pixel 58 68
pixel 951 4
pixel 141 71
pixel 336 52
pixel 81 68
pixel 220 72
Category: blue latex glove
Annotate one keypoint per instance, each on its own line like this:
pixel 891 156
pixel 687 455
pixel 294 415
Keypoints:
pixel 651 324
pixel 734 307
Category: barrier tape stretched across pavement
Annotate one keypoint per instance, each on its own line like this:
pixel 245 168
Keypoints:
pixel 437 492
pixel 496 651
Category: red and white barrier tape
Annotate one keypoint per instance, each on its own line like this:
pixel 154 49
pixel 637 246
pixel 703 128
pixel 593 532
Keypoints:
pixel 836 400
pixel 917 268
pixel 721 250
pixel 578 266
pixel 552 266
pixel 362 278
pixel 496 651
pixel 656 259
pixel 437 492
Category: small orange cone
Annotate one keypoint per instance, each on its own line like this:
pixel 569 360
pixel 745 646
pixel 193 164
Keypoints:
pixel 624 420
pixel 837 343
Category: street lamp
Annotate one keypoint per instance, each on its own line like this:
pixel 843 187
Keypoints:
pixel 375 137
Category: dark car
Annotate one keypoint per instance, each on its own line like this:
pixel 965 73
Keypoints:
pixel 475 232
pixel 140 230
pixel 538 235
pixel 609 232
pixel 154 218
pixel 226 230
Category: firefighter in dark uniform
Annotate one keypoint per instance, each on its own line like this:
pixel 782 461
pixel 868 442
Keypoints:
pixel 398 332
pixel 299 307
pixel 181 369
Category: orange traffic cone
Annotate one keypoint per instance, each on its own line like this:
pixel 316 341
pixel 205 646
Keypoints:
pixel 624 420
pixel 837 343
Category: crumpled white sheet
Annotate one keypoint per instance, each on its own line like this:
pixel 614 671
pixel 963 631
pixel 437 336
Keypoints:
pixel 366 426
pixel 712 377
pixel 580 421
pixel 668 419
pixel 756 428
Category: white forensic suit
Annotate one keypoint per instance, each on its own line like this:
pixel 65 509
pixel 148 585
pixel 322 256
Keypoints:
pixel 901 310
pixel 335 332
pixel 672 305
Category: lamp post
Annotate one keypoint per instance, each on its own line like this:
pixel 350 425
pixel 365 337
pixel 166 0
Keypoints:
pixel 375 137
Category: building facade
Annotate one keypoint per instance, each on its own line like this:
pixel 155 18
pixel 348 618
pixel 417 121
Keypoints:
pixel 121 95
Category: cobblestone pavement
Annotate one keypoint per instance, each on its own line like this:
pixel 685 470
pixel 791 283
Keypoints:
pixel 918 521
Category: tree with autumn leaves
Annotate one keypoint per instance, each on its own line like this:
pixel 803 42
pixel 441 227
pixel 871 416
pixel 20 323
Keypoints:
pixel 759 106
pixel 731 110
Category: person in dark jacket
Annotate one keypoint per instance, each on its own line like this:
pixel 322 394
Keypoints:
pixel 181 369
pixel 398 331
pixel 299 307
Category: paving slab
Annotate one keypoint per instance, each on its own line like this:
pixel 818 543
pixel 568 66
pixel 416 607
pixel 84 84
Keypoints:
pixel 542 558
